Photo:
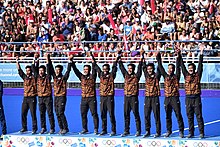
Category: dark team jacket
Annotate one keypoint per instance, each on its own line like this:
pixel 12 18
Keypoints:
pixel 44 86
pixel 192 81
pixel 152 86
pixel 131 86
pixel 30 84
pixel 60 81
pixel 171 82
pixel 88 84
pixel 107 81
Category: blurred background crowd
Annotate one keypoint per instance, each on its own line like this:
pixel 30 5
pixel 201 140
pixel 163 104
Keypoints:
pixel 114 23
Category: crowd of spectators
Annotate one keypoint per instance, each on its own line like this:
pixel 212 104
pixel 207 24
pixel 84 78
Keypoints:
pixel 74 21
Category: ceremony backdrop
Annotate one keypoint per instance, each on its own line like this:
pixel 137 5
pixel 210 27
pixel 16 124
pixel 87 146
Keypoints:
pixel 9 73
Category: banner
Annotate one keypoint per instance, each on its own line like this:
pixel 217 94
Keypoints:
pixel 9 73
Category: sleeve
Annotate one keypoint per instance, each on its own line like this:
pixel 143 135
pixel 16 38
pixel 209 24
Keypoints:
pixel 122 68
pixel 139 71
pixel 145 69
pixel 200 66
pixel 21 73
pixel 158 74
pixel 185 72
pixel 94 72
pixel 67 74
pixel 50 69
pixel 35 68
pixel 160 66
pixel 77 72
pixel 98 69
pixel 178 72
pixel 114 69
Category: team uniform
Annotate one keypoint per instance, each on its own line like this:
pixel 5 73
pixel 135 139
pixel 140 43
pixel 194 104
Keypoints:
pixel 193 97
pixel 172 102
pixel 29 100
pixel 45 100
pixel 152 102
pixel 60 92
pixel 107 102
pixel 88 100
pixel 131 102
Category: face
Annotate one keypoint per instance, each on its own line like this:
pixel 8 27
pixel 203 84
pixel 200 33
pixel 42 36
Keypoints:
pixel 150 70
pixel 28 71
pixel 86 70
pixel 57 71
pixel 130 70
pixel 41 71
pixel 190 69
pixel 170 70
pixel 105 69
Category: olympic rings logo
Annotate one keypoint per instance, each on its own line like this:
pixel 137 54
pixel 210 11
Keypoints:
pixel 108 142
pixel 154 143
pixel 200 144
pixel 23 140
pixel 65 141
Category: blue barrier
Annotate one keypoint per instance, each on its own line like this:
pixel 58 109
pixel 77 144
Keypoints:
pixel 9 73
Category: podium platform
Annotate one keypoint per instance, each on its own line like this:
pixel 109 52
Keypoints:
pixel 91 140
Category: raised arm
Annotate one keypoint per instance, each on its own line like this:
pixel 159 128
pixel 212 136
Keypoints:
pixel 185 72
pixel 67 74
pixel 139 71
pixel 76 71
pixel 50 68
pixel 114 68
pixel 200 66
pixel 122 68
pixel 35 65
pixel 160 66
pixel 178 72
pixel 20 71
pixel 95 67
pixel 145 69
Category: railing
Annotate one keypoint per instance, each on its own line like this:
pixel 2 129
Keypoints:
pixel 173 45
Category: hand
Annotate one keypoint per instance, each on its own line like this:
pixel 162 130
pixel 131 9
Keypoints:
pixel 142 52
pixel 119 53
pixel 178 51
pixel 201 50
pixel 17 58
pixel 36 56
pixel 70 57
pixel 90 53
pixel 47 57
pixel 157 53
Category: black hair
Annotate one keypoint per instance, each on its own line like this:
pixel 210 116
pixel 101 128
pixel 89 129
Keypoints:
pixel 107 65
pixel 44 67
pixel 193 65
pixel 152 65
pixel 60 67
pixel 88 67
pixel 173 66
pixel 132 65
pixel 28 66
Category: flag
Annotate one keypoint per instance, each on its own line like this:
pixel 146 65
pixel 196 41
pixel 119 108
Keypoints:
pixel 113 24
pixel 153 8
pixel 141 2
pixel 50 16
pixel 125 39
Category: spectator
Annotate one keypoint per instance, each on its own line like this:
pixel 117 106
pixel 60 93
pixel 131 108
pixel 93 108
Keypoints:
pixel 61 21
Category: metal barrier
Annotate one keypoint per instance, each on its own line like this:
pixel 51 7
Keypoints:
pixel 85 48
